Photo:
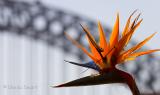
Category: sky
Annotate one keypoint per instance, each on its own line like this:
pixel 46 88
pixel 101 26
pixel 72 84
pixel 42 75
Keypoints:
pixel 106 10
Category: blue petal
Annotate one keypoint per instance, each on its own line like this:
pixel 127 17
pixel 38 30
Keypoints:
pixel 93 65
pixel 90 64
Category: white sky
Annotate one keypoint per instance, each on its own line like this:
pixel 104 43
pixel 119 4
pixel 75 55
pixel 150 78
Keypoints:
pixel 105 11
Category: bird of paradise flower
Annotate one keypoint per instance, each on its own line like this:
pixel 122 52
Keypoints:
pixel 107 54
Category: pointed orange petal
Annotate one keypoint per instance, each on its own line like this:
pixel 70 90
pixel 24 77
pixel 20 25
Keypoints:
pixel 130 59
pixel 142 43
pixel 103 42
pixel 133 30
pixel 143 53
pixel 115 33
pixel 127 53
pixel 122 58
pixel 122 42
pixel 102 38
pixel 135 21
pixel 133 56
pixel 90 37
pixel 126 38
pixel 97 55
pixel 127 24
pixel 94 50
pixel 81 47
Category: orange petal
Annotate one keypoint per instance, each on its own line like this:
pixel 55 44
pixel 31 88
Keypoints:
pixel 97 55
pixel 138 46
pixel 126 38
pixel 81 47
pixel 115 33
pixel 94 50
pixel 122 42
pixel 90 37
pixel 135 20
pixel 134 55
pixel 127 24
pixel 122 58
pixel 128 53
pixel 130 58
pixel 143 53
pixel 102 38
pixel 133 30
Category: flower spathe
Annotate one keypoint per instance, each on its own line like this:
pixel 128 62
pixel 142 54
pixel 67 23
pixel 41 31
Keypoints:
pixel 106 54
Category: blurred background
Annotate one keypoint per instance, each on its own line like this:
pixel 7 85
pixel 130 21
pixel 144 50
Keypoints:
pixel 33 46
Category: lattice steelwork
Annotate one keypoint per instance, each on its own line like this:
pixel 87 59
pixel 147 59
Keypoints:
pixel 39 23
